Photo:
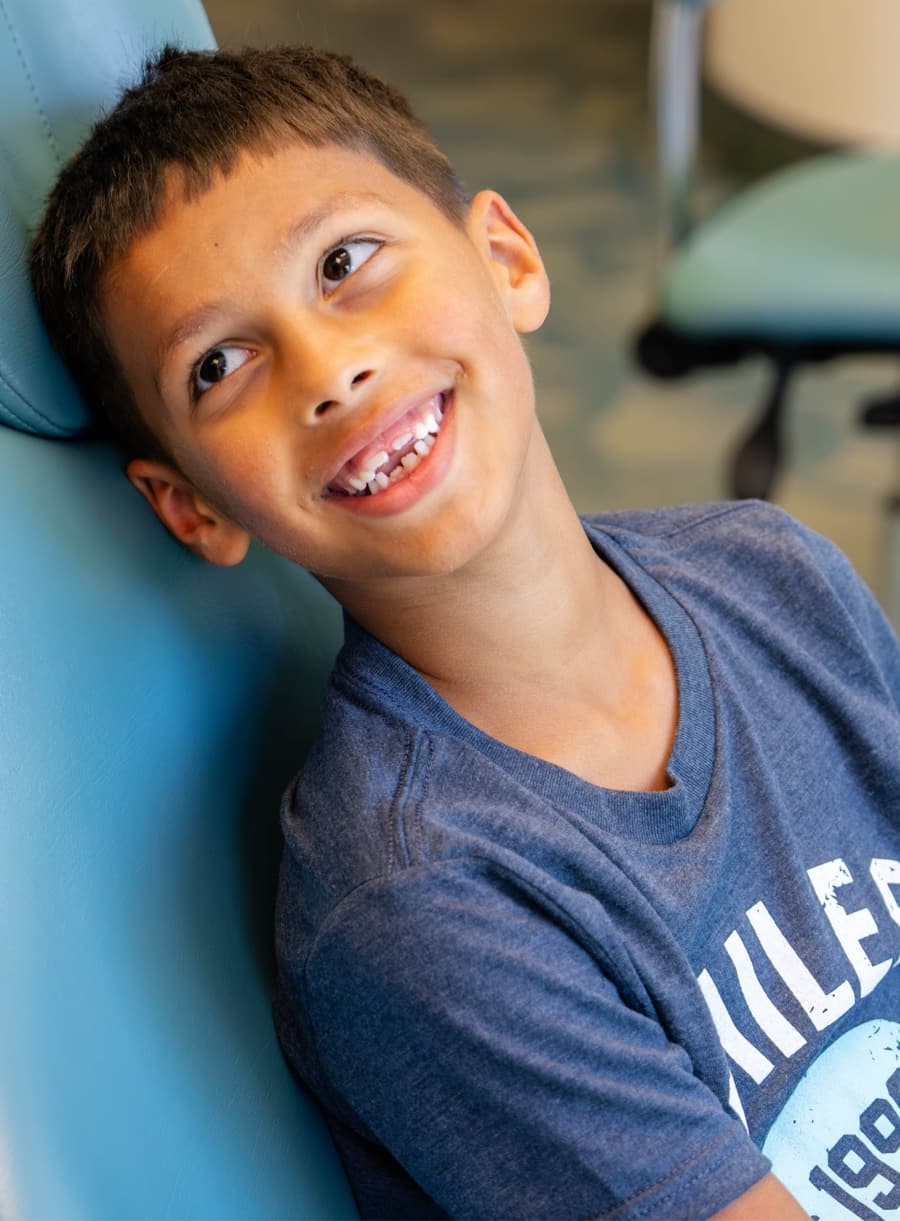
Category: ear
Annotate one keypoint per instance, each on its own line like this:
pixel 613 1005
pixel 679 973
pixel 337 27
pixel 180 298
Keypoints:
pixel 185 514
pixel 513 257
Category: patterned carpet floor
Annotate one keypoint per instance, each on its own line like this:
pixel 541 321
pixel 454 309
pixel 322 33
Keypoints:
pixel 548 103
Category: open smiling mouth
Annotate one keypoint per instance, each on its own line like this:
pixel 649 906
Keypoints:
pixel 394 454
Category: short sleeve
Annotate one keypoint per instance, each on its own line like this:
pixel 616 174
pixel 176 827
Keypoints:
pixel 480 1041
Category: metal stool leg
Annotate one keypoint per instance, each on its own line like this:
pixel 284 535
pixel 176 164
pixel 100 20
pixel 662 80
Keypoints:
pixel 758 458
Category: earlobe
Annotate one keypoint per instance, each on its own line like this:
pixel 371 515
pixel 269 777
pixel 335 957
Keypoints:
pixel 514 259
pixel 186 515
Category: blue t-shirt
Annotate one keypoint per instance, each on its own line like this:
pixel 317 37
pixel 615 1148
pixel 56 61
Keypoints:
pixel 521 995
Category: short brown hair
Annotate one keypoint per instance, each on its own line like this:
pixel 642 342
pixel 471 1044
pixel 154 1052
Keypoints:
pixel 198 111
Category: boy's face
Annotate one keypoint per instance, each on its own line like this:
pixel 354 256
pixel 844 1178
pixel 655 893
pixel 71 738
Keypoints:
pixel 312 327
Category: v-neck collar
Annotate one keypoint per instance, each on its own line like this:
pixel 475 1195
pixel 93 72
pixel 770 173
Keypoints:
pixel 646 817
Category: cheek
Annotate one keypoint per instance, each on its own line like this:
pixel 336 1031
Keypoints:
pixel 454 303
pixel 240 472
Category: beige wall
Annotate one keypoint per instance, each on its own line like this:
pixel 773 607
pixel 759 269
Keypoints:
pixel 825 69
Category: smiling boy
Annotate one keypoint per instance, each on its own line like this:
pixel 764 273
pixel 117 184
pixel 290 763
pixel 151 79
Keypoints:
pixel 567 768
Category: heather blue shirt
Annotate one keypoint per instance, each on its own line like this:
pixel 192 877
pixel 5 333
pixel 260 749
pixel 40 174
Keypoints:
pixel 518 994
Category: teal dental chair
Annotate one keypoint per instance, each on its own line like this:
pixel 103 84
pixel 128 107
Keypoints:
pixel 151 710
pixel 801 267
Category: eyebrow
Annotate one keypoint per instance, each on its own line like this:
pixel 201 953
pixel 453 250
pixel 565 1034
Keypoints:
pixel 304 228
pixel 301 231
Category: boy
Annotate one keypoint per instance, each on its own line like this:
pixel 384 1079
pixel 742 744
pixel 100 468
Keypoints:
pixel 589 883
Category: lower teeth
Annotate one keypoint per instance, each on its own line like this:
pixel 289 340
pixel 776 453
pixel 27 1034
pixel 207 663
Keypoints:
pixel 382 481
pixel 407 463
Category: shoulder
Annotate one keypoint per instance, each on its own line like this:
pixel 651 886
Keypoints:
pixel 707 532
pixel 749 571
pixel 712 557
pixel 674 520
pixel 726 535
pixel 345 814
pixel 739 549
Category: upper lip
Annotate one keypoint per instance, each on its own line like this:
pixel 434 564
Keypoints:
pixel 380 421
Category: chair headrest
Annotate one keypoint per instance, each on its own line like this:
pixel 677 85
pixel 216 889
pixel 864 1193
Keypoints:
pixel 62 62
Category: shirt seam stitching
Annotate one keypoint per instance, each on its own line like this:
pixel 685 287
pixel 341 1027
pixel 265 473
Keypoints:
pixel 721 1147
pixel 727 510
pixel 569 919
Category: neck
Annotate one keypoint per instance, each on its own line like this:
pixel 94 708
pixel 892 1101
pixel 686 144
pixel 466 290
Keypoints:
pixel 514 619
pixel 538 642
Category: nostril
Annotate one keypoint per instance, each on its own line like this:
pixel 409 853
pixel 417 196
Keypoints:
pixel 356 380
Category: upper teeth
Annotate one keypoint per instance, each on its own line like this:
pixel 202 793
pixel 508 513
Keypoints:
pixel 418 439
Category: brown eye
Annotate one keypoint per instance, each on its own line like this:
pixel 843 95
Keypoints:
pixel 216 365
pixel 213 368
pixel 345 260
pixel 338 264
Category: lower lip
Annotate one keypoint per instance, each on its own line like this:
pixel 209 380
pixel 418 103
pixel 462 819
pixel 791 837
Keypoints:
pixel 429 472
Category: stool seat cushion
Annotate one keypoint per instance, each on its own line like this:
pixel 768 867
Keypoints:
pixel 810 253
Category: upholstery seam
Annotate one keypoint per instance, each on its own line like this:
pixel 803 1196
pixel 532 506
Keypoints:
pixel 54 147
pixel 23 421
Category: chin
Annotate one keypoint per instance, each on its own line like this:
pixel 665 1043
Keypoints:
pixel 461 540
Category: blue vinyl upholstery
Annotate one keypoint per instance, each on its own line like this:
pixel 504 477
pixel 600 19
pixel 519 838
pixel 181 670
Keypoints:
pixel 151 710
pixel 60 63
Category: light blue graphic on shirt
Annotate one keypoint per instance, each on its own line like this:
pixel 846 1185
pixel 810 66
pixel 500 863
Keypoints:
pixel 836 1143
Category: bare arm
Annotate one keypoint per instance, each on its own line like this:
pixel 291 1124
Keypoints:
pixel 767 1200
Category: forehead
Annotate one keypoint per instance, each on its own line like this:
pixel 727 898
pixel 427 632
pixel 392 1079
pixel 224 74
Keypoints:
pixel 267 204
pixel 290 182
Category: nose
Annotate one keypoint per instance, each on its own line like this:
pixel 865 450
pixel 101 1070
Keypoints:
pixel 326 363
pixel 355 380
